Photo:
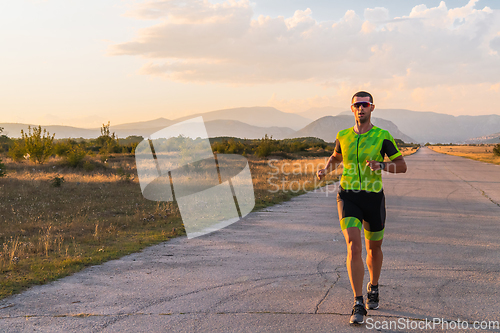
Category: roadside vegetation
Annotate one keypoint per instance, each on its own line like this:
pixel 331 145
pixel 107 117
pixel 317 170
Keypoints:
pixel 67 204
pixel 489 153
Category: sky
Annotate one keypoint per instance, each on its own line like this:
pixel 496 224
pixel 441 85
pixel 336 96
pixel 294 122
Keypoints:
pixel 86 62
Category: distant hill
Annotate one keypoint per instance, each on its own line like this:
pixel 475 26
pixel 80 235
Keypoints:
pixel 13 130
pixel 155 123
pixel 238 129
pixel 215 128
pixel 255 116
pixel 326 128
pixel 492 138
pixel 316 113
pixel 438 127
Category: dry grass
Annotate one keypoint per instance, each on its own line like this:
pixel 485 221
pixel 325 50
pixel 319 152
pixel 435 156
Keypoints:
pixel 408 150
pixel 49 232
pixel 479 153
pixel 278 180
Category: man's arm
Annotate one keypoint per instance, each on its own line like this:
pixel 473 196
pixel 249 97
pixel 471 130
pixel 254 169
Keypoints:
pixel 397 165
pixel 332 164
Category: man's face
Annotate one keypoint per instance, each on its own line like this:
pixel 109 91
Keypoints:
pixel 361 113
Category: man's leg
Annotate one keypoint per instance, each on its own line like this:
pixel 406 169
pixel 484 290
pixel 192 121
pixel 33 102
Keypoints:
pixel 374 258
pixel 354 261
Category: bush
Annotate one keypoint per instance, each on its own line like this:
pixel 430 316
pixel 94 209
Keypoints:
pixel 39 146
pixel 62 148
pixel 230 146
pixel 265 147
pixel 5 143
pixel 75 156
pixel 88 166
pixel 57 181
pixel 2 169
pixel 496 150
pixel 17 151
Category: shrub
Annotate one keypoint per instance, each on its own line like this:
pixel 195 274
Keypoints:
pixel 39 146
pixel 5 143
pixel 2 169
pixel 17 151
pixel 57 181
pixel 88 166
pixel 62 148
pixel 496 150
pixel 265 147
pixel 124 175
pixel 75 156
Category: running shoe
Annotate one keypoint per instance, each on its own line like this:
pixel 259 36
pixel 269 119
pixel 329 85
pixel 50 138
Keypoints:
pixel 372 298
pixel 358 314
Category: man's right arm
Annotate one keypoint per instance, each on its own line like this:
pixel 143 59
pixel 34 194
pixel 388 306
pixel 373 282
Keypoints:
pixel 333 162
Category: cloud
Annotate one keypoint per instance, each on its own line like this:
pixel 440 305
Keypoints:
pixel 198 41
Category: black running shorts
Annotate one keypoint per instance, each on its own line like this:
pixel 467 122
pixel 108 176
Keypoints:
pixel 362 208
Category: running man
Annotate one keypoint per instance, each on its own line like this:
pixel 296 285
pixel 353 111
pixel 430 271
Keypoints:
pixel 360 200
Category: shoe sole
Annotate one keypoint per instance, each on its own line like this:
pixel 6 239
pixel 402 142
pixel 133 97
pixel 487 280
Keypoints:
pixel 371 308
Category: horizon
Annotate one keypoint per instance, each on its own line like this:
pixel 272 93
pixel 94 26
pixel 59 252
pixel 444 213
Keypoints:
pixel 198 114
pixel 165 59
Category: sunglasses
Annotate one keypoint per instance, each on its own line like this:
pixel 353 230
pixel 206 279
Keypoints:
pixel 363 104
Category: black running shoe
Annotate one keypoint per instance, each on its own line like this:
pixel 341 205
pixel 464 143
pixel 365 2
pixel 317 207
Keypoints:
pixel 358 314
pixel 372 299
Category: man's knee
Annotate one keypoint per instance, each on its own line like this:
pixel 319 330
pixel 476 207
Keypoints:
pixel 354 249
pixel 374 248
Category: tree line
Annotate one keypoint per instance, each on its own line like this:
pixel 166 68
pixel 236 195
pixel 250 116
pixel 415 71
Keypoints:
pixel 38 145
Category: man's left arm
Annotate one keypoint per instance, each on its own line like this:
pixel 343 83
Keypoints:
pixel 389 148
pixel 397 165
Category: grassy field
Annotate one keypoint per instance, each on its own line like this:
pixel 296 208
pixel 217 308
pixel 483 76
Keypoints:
pixel 478 153
pixel 50 231
pixel 57 220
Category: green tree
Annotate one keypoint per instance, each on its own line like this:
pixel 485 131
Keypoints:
pixel 108 142
pixel 39 145
pixel 265 147
pixel 496 150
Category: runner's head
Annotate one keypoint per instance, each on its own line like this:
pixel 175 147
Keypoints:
pixel 362 106
pixel 362 94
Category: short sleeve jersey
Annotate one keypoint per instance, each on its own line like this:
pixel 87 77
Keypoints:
pixel 356 149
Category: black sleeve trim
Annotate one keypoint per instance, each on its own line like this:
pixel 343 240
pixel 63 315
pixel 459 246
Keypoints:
pixel 388 148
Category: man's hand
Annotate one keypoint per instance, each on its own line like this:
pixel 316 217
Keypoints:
pixel 321 174
pixel 374 165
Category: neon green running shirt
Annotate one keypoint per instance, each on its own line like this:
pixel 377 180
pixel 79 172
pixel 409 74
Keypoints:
pixel 356 149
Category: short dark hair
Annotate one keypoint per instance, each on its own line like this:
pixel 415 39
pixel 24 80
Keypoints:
pixel 362 94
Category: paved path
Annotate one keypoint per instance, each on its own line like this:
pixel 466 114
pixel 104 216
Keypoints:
pixel 282 269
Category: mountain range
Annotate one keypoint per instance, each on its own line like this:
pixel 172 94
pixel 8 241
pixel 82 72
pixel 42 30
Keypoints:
pixel 438 127
pixel 255 122
pixel 326 128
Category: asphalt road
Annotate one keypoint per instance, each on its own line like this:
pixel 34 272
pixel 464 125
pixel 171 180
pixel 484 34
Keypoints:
pixel 282 269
